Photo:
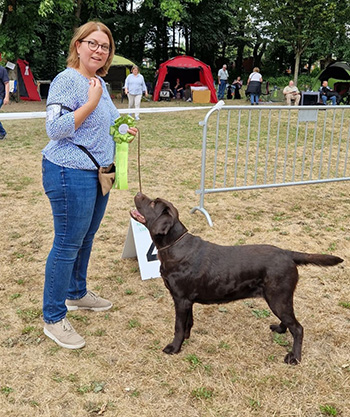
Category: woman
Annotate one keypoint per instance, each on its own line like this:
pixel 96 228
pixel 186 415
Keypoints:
pixel 79 111
pixel 134 87
pixel 237 85
pixel 178 89
pixel 254 86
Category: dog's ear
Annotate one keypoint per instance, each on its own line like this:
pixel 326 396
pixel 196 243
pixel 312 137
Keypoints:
pixel 163 225
pixel 165 221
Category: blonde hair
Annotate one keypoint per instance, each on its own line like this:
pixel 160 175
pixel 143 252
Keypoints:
pixel 81 33
pixel 256 69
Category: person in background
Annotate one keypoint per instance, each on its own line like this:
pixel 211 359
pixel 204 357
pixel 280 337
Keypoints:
pixel 328 94
pixel 222 80
pixel 178 88
pixel 291 93
pixel 4 95
pixel 254 86
pixel 237 85
pixel 188 92
pixel 134 87
pixel 79 112
pixel 229 92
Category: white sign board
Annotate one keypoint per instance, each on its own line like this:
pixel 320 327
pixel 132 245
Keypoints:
pixel 139 243
pixel 10 65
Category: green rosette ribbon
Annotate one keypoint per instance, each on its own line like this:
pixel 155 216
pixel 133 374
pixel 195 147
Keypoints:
pixel 122 138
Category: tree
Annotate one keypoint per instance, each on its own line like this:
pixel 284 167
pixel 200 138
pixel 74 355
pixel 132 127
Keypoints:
pixel 285 33
pixel 299 23
pixel 18 27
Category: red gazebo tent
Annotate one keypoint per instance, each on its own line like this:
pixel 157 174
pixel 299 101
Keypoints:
pixel 27 88
pixel 189 70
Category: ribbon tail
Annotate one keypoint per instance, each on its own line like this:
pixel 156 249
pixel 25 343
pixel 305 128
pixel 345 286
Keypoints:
pixel 121 166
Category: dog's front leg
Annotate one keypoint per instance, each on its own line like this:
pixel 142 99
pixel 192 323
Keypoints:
pixel 183 324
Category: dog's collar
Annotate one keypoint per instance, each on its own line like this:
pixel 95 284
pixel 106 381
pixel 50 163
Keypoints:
pixel 174 243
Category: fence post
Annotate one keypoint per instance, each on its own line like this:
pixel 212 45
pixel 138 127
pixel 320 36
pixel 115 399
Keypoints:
pixel 201 191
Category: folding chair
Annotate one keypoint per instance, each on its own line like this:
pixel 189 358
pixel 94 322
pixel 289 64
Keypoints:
pixel 265 92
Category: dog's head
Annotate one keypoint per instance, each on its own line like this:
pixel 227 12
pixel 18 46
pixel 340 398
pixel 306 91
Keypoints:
pixel 159 216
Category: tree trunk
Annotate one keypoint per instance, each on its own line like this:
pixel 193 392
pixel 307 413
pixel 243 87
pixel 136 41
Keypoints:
pixel 77 14
pixel 173 49
pixel 186 35
pixel 165 54
pixel 257 55
pixel 239 59
pixel 296 66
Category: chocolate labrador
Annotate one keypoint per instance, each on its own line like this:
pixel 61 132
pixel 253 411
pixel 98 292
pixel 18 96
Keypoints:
pixel 197 271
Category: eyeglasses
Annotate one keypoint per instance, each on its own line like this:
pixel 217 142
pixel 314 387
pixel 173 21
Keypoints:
pixel 93 46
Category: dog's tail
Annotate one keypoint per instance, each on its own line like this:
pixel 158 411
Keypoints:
pixel 301 258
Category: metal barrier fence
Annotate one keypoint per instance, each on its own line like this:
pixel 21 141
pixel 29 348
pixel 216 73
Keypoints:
pixel 251 147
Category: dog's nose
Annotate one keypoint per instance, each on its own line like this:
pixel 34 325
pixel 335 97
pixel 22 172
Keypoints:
pixel 139 196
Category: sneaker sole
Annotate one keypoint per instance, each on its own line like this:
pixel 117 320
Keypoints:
pixel 74 308
pixel 64 345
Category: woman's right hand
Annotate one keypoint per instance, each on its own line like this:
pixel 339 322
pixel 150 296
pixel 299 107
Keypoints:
pixel 95 91
pixel 94 95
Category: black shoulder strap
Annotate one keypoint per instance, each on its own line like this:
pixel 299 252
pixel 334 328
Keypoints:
pixel 89 155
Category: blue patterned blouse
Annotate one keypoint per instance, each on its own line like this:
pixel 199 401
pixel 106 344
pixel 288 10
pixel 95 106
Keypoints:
pixel 69 91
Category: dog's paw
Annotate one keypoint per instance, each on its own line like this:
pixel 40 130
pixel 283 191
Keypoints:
pixel 170 349
pixel 290 359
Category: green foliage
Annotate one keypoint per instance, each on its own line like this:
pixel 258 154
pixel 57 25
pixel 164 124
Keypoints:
pixel 328 410
pixel 304 24
pixel 174 9
pixel 261 314
pixel 202 393
pixel 6 390
pixel 344 304
pixel 15 296
pixel 280 339
pixel 280 81
pixel 255 404
pixel 94 386
pixel 193 360
pixel 304 81
pixel 134 323
pixel 48 7
pixel 40 31
pixel 28 315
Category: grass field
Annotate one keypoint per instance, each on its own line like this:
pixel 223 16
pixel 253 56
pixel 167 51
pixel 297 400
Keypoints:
pixel 232 366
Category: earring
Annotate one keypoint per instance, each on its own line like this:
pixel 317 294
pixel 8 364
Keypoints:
pixel 78 56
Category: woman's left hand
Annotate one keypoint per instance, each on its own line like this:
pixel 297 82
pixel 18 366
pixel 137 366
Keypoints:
pixel 133 131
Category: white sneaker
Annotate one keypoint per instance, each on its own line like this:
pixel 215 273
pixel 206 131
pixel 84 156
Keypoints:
pixel 90 301
pixel 64 335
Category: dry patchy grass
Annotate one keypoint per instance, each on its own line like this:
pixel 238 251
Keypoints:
pixel 232 365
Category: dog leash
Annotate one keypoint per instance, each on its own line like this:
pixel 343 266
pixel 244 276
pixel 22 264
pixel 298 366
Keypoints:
pixel 139 158
pixel 174 243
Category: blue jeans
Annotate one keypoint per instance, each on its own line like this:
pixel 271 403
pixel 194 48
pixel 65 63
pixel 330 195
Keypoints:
pixel 333 100
pixel 254 98
pixel 222 88
pixel 181 92
pixel 2 130
pixel 78 207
